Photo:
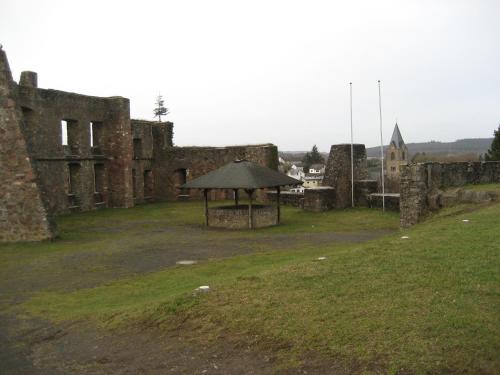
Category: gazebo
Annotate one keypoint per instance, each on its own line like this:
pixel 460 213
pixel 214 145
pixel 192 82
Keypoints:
pixel 242 174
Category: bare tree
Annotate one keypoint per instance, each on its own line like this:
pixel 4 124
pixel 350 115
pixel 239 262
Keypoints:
pixel 160 109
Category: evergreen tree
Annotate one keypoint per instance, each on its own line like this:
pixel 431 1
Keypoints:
pixel 312 157
pixel 160 109
pixel 493 153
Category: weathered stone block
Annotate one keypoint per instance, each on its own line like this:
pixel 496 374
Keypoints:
pixel 319 199
pixel 236 217
pixel 338 171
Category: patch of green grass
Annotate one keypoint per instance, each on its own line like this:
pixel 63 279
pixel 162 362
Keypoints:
pixel 101 229
pixel 427 304
pixel 482 187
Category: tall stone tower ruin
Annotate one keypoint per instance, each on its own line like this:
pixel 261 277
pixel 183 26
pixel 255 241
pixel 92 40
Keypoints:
pixel 338 171
pixel 23 216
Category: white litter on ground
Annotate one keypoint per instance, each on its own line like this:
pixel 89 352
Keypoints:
pixel 185 262
pixel 203 288
pixel 404 237
pixel 322 258
pixel 465 220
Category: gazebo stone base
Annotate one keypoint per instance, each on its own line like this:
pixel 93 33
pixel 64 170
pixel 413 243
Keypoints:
pixel 236 217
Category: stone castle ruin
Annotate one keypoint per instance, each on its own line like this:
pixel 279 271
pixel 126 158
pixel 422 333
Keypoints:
pixel 336 192
pixel 425 187
pixel 63 152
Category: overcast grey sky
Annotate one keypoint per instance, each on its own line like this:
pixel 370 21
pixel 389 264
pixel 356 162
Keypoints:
pixel 238 72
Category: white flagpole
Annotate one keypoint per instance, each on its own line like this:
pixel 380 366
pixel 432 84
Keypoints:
pixel 352 150
pixel 381 145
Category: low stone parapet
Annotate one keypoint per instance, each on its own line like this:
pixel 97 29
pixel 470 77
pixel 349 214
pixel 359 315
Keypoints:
pixel 426 186
pixel 319 199
pixel 391 201
pixel 362 191
pixel 287 198
pixel 236 217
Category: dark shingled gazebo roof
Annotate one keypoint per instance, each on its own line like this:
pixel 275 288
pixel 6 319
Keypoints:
pixel 241 174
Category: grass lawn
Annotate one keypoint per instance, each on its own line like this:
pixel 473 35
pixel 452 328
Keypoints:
pixel 483 187
pixel 426 304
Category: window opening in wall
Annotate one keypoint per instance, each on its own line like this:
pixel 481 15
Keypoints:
pixel 393 156
pixel 91 135
pixel 180 177
pixel 99 178
pixel 403 155
pixel 148 184
pixel 64 132
pixel 70 135
pixel 95 136
pixel 137 148
pixel 74 175
pixel 134 183
pixel 74 185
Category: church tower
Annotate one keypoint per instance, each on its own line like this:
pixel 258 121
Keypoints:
pixel 395 155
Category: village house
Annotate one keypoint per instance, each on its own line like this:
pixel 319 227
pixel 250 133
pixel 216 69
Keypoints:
pixel 296 171
pixel 317 169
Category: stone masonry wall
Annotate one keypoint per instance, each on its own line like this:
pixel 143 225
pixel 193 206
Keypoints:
pixel 419 182
pixel 23 216
pixel 286 198
pixel 338 171
pixel 319 199
pixel 108 160
pixel 66 172
pixel 197 161
pixel 150 138
pixel 237 218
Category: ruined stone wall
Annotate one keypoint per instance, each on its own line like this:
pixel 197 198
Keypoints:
pixel 108 159
pixel 197 161
pixel 338 171
pixel 286 198
pixel 66 172
pixel 23 216
pixel 237 218
pixel 362 191
pixel 421 181
pixel 150 138
pixel 319 199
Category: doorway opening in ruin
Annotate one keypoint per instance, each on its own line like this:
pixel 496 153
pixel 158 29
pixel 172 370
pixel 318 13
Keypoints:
pixel 180 176
pixel 148 185
pixel 74 185
pixel 96 137
pixel 99 178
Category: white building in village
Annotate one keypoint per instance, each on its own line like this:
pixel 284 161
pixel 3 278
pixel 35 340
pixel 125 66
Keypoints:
pixel 296 171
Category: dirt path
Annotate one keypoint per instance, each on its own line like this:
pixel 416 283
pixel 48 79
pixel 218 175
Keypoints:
pixel 32 346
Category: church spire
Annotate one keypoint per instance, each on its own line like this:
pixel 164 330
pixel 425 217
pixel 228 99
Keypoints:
pixel 396 138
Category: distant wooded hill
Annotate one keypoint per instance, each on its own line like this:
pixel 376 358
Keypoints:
pixel 462 146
